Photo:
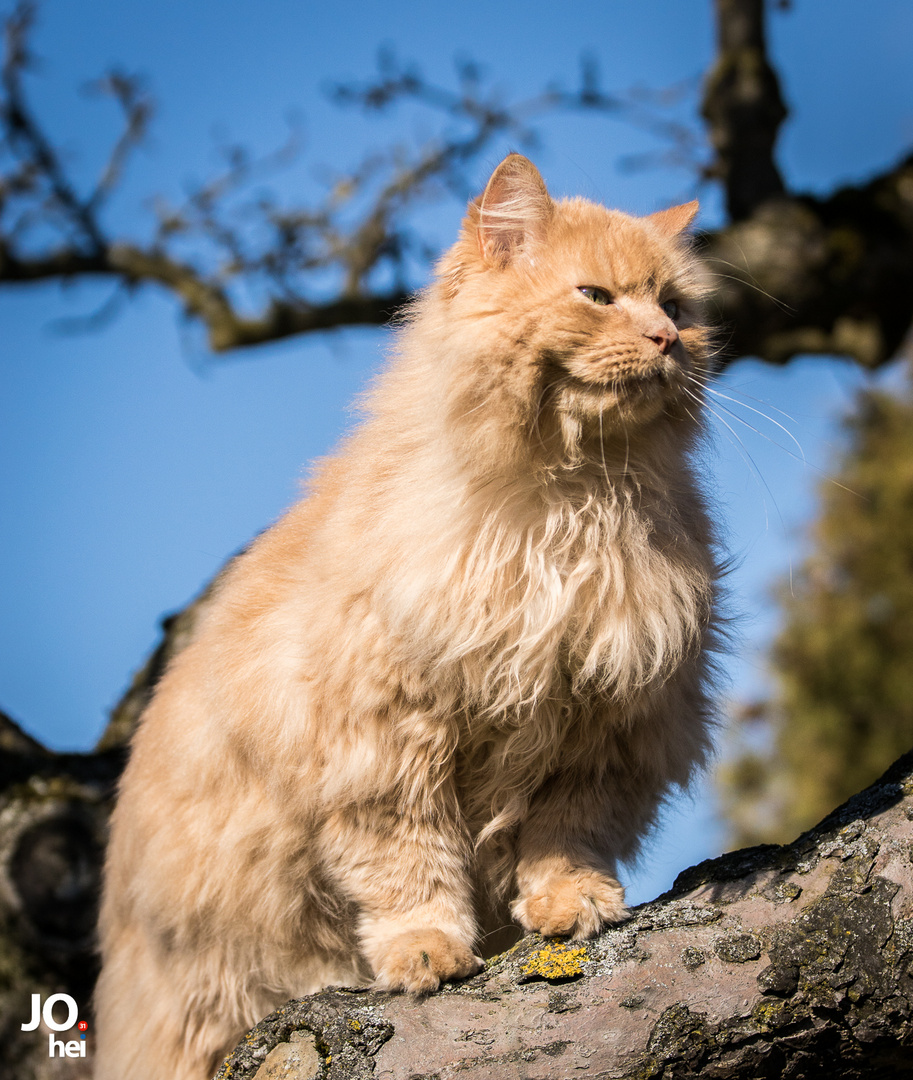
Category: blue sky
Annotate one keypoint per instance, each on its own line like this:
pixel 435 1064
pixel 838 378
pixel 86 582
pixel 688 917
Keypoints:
pixel 132 463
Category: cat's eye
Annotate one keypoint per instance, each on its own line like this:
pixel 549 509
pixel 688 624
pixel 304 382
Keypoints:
pixel 671 309
pixel 597 295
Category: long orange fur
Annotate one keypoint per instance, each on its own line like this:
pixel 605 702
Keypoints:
pixel 455 682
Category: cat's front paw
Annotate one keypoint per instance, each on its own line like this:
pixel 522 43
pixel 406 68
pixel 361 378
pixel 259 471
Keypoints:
pixel 420 960
pixel 575 904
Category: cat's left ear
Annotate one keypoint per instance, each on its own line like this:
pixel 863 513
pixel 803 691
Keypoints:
pixel 513 210
pixel 676 219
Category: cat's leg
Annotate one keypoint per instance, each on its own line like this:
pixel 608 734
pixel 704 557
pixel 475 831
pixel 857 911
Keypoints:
pixel 565 866
pixel 408 869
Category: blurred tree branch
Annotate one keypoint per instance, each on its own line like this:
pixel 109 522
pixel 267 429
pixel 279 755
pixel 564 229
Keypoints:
pixel 356 238
pixel 743 108
pixel 796 274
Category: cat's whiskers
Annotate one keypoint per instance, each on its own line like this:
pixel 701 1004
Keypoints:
pixel 744 277
pixel 624 471
pixel 707 381
pixel 605 469
pixel 742 451
pixel 720 396
pixel 690 414
pixel 482 404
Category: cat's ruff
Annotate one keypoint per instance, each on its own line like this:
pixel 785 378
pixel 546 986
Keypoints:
pixel 455 682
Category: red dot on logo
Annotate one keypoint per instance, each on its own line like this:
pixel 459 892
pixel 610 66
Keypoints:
pixel 82 1025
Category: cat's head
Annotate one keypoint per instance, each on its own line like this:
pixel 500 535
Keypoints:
pixel 589 316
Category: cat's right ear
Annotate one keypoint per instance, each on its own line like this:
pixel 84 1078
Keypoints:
pixel 513 210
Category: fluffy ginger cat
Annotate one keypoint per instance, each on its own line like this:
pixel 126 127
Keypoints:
pixel 454 683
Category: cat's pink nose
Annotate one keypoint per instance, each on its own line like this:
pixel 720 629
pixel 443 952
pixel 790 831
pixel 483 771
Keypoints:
pixel 664 338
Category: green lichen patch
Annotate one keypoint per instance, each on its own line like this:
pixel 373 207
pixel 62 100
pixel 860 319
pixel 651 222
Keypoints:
pixel 782 892
pixel 737 948
pixel 678 1033
pixel 692 958
pixel 346 1028
pixel 773 1014
pixel 835 948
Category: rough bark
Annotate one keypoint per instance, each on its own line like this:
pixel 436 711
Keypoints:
pixel 53 820
pixel 770 962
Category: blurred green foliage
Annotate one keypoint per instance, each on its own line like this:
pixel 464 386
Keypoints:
pixel 841 709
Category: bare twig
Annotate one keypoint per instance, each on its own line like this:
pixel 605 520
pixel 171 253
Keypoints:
pixel 27 141
pixel 137 108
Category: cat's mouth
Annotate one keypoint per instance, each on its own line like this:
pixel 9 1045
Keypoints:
pixel 631 380
pixel 635 392
pixel 649 381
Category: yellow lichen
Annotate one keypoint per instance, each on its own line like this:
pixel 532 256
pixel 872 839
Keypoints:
pixel 557 961
pixel 355 1025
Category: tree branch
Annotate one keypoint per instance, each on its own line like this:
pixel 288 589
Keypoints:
pixel 28 141
pixel 54 812
pixel 357 235
pixel 743 108
pixel 805 275
pixel 768 962
pixel 795 274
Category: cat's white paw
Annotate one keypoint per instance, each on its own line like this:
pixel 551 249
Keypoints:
pixel 420 960
pixel 575 905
